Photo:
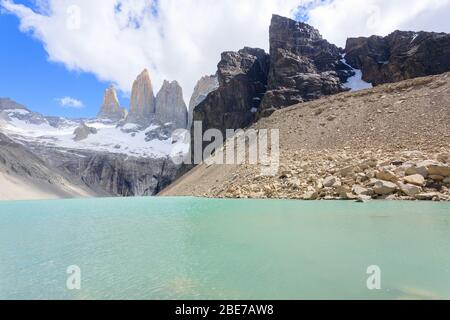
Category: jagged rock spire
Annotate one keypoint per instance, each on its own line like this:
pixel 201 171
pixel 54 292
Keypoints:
pixel 170 106
pixel 143 103
pixel 110 108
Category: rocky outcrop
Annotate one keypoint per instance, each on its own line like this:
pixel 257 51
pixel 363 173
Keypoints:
pixel 303 66
pixel 170 106
pixel 83 131
pixel 242 80
pixel 110 108
pixel 399 56
pixel 203 87
pixel 143 102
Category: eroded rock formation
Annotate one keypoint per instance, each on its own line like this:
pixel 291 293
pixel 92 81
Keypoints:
pixel 110 108
pixel 143 102
pixel 242 80
pixel 170 106
pixel 303 66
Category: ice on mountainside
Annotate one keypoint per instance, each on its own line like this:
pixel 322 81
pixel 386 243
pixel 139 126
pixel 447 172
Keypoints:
pixel 356 82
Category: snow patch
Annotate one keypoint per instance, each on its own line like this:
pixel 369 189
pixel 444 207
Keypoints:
pixel 107 139
pixel 356 82
pixel 130 126
pixel 17 111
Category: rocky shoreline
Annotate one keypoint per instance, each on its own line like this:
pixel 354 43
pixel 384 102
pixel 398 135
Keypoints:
pixel 361 176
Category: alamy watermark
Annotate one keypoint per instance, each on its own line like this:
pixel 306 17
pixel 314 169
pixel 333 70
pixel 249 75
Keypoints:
pixel 73 281
pixel 73 21
pixel 259 147
pixel 374 280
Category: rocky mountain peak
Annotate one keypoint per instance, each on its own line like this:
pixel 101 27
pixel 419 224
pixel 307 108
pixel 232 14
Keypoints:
pixel 303 65
pixel 170 106
pixel 204 86
pixel 8 104
pixel 143 102
pixel 242 81
pixel 110 108
pixel 247 61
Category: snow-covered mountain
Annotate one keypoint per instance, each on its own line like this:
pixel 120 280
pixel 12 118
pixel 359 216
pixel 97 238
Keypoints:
pixel 113 154
pixel 28 127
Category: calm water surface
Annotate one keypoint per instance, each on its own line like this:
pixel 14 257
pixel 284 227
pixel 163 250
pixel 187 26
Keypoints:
pixel 187 248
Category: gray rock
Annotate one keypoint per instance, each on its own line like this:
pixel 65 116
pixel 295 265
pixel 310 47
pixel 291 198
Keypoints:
pixel 83 131
pixel 415 179
pixel 310 195
pixel 170 106
pixel 409 189
pixel 382 187
pixel 359 190
pixel 439 169
pixel 330 181
pixel 142 102
pixel 422 170
pixel 427 196
pixel 110 108
pixel 386 175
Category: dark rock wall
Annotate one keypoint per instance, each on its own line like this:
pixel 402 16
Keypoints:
pixel 399 56
pixel 303 66
pixel 242 83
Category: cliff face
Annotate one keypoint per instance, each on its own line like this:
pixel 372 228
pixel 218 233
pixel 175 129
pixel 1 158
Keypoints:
pixel 143 102
pixel 399 56
pixel 303 66
pixel 110 108
pixel 111 174
pixel 242 80
pixel 170 106
pixel 203 87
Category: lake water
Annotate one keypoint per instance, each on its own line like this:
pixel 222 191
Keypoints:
pixel 187 248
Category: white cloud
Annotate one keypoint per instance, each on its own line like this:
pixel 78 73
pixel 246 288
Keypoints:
pixel 117 39
pixel 69 102
pixel 340 19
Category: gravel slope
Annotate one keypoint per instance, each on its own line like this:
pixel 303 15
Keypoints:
pixel 354 137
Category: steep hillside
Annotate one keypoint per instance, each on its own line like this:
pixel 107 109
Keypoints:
pixel 373 143
pixel 24 176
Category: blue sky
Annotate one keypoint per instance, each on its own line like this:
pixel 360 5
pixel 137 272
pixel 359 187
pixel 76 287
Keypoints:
pixel 28 77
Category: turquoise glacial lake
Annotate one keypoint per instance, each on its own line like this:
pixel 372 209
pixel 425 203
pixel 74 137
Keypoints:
pixel 188 248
